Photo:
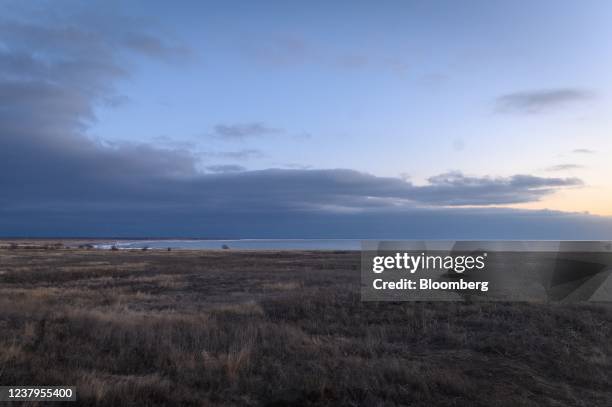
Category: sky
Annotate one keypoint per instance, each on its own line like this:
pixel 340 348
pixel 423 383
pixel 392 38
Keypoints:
pixel 411 119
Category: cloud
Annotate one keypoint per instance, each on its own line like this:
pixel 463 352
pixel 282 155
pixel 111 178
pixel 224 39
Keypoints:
pixel 225 168
pixel 297 166
pixel 538 101
pixel 52 172
pixel 454 188
pixel 125 177
pixel 564 167
pixel 242 131
pixel 253 130
pixel 245 154
pixel 444 223
pixel 58 181
pixel 53 74
pixel 583 151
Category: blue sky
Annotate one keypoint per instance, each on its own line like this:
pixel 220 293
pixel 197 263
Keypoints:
pixel 380 109
pixel 353 78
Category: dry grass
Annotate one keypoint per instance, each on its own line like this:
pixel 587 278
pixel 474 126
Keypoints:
pixel 278 329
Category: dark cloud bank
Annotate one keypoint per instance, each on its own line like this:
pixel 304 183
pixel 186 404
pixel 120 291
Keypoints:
pixel 55 181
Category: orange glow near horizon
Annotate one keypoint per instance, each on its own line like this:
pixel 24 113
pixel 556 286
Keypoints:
pixel 593 200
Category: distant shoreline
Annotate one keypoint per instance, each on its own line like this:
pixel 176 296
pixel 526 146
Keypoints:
pixel 187 244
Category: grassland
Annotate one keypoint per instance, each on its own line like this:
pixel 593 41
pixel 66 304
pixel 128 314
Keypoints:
pixel 280 329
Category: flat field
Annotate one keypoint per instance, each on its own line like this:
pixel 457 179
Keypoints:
pixel 239 328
